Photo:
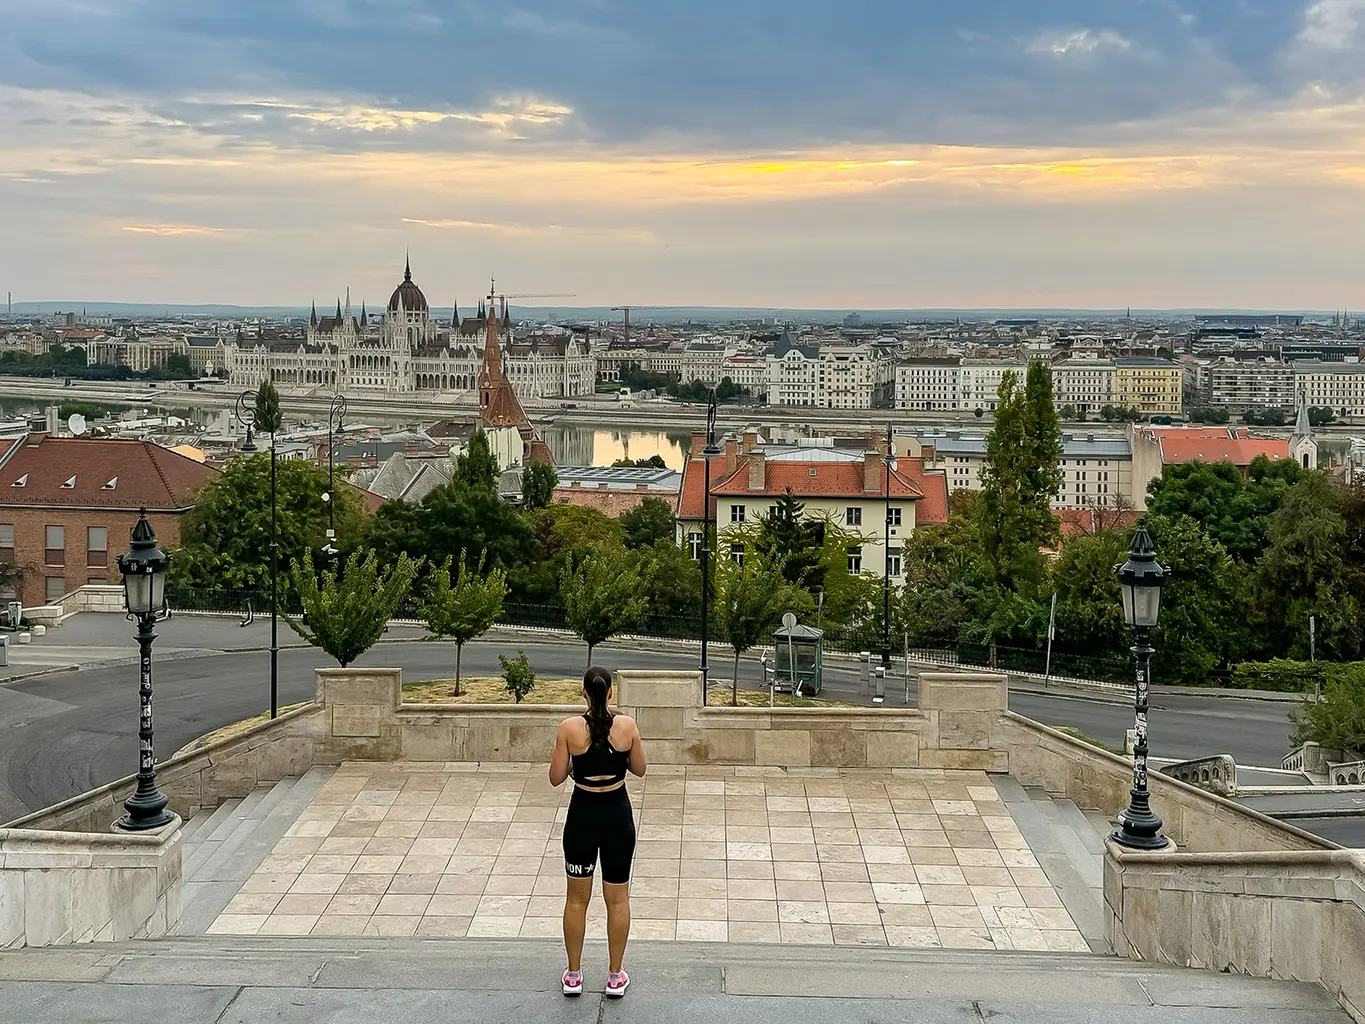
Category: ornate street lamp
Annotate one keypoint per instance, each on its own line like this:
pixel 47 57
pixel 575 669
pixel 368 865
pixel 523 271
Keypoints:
pixel 246 414
pixel 886 554
pixel 336 422
pixel 144 594
pixel 1140 580
pixel 711 449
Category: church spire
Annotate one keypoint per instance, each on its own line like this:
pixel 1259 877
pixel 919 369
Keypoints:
pixel 338 309
pixel 364 318
pixel 313 317
pixel 1302 427
pixel 455 315
pixel 407 265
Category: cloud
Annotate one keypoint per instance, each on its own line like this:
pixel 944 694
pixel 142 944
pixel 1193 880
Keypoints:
pixel 172 229
pixel 1077 41
pixel 1332 24
pixel 512 229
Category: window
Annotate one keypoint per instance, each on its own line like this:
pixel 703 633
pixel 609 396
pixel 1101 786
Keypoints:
pixel 893 563
pixel 53 589
pixel 853 515
pixel 737 554
pixel 694 546
pixel 54 546
pixel 736 513
pixel 96 546
pixel 855 560
pixel 893 517
pixel 7 543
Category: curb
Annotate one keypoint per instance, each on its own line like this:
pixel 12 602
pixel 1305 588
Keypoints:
pixel 53 670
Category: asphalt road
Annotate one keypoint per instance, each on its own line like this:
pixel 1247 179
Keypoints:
pixel 67 732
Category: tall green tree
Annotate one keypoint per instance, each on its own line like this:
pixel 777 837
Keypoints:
pixel 538 482
pixel 604 595
pixel 648 523
pixel 462 603
pixel 1234 511
pixel 1018 482
pixel 345 612
pixel 453 517
pixel 1203 602
pixel 1303 573
pixel 1089 615
pixel 751 599
pixel 476 466
pixel 225 538
pixel 789 540
pixel 266 409
pixel 560 537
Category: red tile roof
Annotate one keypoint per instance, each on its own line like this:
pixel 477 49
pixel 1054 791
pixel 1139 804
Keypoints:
pixel 98 472
pixel 1081 522
pixel 1216 444
pixel 909 482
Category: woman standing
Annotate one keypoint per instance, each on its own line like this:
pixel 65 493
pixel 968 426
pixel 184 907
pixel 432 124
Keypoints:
pixel 597 748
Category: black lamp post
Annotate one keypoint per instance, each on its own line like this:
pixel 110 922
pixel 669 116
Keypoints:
pixel 1140 580
pixel 144 594
pixel 336 422
pixel 246 404
pixel 710 450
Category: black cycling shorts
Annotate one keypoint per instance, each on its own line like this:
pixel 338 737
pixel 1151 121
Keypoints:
pixel 599 825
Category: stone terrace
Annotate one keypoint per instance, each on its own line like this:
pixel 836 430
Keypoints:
pixel 898 857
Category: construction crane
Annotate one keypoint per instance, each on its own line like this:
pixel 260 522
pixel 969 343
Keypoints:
pixel 626 311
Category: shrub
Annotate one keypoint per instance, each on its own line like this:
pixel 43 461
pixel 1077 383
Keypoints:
pixel 1280 675
pixel 1336 719
pixel 517 674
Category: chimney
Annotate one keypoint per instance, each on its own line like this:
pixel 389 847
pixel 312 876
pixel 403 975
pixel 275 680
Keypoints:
pixel 698 442
pixel 758 475
pixel 872 472
pixel 927 454
pixel 731 456
pixel 750 440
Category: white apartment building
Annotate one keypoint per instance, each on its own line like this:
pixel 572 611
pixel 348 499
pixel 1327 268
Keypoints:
pixel 1239 385
pixel 1086 384
pixel 793 375
pixel 979 381
pixel 1095 468
pixel 746 372
pixel 927 384
pixel 849 377
pixel 703 361
pixel 1336 386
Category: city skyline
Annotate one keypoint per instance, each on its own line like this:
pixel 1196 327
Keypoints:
pixel 885 156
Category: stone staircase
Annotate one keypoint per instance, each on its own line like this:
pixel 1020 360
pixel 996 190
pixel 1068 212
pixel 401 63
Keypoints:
pixel 245 980
pixel 222 847
pixel 1069 846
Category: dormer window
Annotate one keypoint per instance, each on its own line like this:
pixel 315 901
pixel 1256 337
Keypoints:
pixel 110 484
pixel 21 482
pixel 69 482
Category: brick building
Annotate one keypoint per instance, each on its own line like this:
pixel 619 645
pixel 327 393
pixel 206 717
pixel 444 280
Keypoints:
pixel 68 505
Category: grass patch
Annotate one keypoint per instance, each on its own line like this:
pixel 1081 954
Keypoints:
pixel 1076 734
pixel 492 690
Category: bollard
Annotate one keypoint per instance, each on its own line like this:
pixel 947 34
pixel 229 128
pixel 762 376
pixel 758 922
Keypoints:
pixel 879 695
pixel 865 660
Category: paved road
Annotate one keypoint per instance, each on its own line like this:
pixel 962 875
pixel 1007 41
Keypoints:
pixel 65 733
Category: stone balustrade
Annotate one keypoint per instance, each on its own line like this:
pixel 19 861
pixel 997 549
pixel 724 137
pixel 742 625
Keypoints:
pixel 1289 915
pixel 58 888
pixel 1217 773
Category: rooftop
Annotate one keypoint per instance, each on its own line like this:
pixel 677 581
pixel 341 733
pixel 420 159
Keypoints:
pixel 45 471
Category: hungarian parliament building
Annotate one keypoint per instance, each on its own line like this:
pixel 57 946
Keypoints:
pixel 410 352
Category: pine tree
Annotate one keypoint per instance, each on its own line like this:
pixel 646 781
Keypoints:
pixel 788 540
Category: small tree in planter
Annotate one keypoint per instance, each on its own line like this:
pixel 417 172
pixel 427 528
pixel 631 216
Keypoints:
pixel 517 675
pixel 345 612
pixel 751 599
pixel 467 608
pixel 603 596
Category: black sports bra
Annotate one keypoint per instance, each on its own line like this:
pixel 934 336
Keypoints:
pixel 600 766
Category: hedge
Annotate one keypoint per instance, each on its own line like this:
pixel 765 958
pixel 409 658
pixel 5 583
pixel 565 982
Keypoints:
pixel 1284 676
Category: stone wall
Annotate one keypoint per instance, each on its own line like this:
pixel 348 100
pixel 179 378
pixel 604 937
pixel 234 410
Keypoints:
pixel 92 597
pixel 1097 780
pixel 1293 916
pixel 58 888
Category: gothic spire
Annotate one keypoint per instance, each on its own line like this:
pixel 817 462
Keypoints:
pixel 313 317
pixel 407 265
pixel 1302 428
pixel 338 309
pixel 455 315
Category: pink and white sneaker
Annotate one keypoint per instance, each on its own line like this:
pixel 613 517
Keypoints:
pixel 573 983
pixel 617 983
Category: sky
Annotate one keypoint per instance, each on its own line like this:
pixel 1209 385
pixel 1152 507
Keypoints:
pixel 791 153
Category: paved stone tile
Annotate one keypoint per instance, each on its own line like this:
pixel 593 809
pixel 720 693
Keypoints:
pixel 905 858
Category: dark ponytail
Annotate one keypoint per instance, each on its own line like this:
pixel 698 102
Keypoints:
pixel 596 683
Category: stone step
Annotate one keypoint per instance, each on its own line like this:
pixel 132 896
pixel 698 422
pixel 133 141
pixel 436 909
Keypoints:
pixel 1050 826
pixel 242 811
pixel 191 827
pixel 211 882
pixel 235 980
pixel 216 817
